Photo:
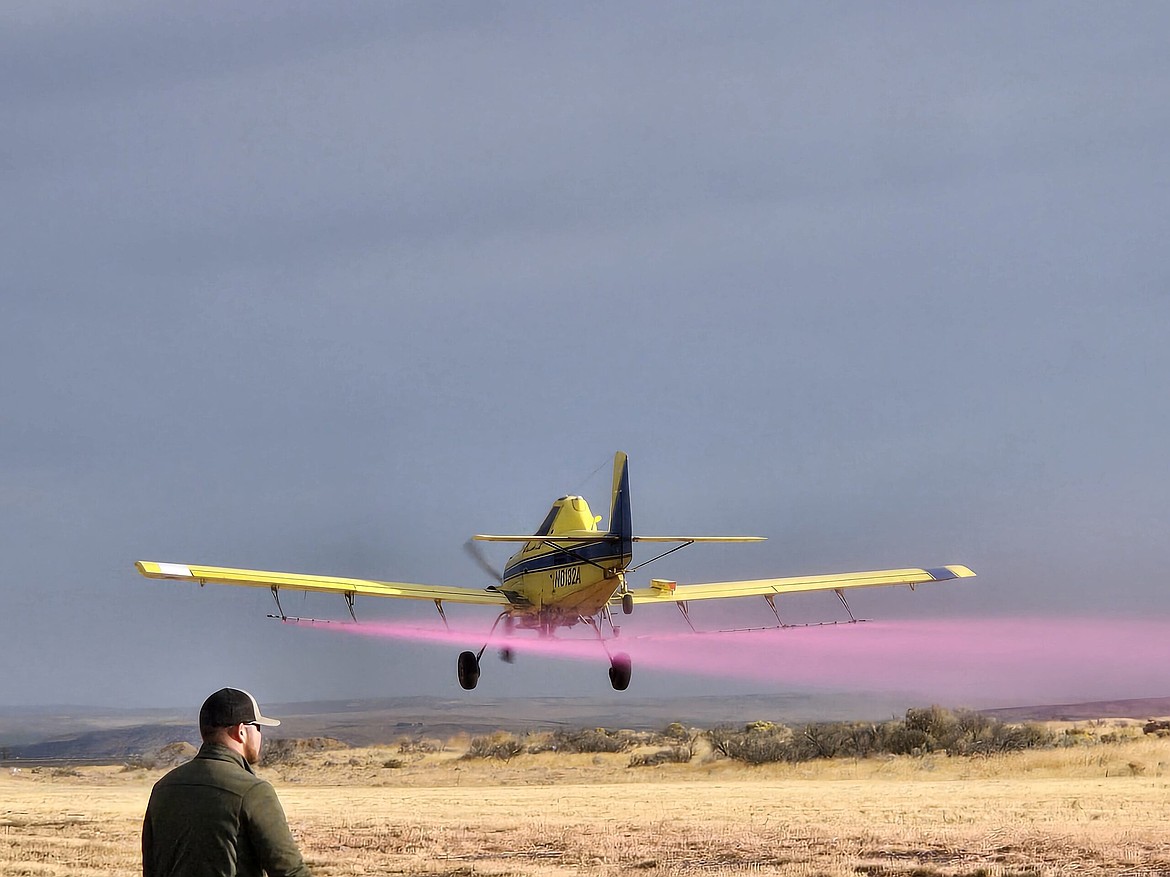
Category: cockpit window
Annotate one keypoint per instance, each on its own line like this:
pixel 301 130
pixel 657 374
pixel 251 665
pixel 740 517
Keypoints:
pixel 546 525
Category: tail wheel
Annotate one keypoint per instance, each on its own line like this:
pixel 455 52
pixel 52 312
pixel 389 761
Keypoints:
pixel 619 671
pixel 469 670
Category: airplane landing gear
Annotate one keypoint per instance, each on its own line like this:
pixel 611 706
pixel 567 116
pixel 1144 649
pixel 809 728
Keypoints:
pixel 619 671
pixel 468 665
pixel 469 670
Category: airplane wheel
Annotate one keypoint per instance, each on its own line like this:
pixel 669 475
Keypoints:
pixel 468 670
pixel 627 603
pixel 619 671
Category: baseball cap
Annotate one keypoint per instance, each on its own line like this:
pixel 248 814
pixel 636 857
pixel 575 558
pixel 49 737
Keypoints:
pixel 231 706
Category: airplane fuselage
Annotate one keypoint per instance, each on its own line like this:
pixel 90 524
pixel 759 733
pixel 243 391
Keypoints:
pixel 557 583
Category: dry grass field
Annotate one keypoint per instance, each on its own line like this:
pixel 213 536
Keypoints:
pixel 1091 809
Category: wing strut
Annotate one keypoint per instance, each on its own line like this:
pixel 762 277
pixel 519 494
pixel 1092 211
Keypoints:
pixel 771 598
pixel 660 556
pixel 279 608
pixel 845 603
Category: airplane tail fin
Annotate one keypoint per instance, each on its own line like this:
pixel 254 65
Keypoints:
pixel 620 519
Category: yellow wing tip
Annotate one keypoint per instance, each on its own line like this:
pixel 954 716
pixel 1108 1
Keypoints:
pixel 960 571
pixel 154 570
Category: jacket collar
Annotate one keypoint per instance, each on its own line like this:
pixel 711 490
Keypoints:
pixel 219 752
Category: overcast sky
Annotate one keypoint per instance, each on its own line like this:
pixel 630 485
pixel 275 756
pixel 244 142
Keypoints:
pixel 329 288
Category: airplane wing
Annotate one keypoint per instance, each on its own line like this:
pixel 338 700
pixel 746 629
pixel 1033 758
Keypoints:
pixel 257 578
pixel 662 591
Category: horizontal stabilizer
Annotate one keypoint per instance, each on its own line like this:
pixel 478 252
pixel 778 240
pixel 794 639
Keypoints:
pixel 598 536
pixel 700 538
pixel 568 536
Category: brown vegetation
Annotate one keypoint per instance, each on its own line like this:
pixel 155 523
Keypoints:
pixel 1081 806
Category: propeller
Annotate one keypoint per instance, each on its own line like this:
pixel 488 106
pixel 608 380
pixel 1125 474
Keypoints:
pixel 474 549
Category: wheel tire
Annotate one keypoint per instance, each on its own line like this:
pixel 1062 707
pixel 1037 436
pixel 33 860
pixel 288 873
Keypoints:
pixel 628 604
pixel 619 671
pixel 468 670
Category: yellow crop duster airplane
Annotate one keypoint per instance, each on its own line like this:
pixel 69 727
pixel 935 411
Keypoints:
pixel 567 572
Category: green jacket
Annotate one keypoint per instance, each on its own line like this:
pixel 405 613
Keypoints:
pixel 213 817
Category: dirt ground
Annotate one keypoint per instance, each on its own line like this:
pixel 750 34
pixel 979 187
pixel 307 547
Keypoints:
pixel 1099 809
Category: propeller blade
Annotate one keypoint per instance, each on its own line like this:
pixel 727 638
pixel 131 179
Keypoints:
pixel 473 548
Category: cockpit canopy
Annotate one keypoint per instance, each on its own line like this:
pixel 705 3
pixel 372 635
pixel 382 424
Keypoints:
pixel 568 513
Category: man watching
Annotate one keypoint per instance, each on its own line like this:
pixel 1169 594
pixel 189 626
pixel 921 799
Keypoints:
pixel 213 817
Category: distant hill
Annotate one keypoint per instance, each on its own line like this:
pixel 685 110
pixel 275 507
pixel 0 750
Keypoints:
pixel 71 733
pixel 25 725
pixel 1136 708
pixel 115 744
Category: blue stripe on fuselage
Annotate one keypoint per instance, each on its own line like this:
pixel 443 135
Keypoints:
pixel 595 552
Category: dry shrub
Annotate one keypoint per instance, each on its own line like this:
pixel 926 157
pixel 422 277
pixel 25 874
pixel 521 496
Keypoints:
pixel 757 743
pixel 923 731
pixel 679 748
pixel 595 740
pixel 1161 727
pixel 673 755
pixel 679 731
pixel 540 741
pixel 420 746
pixel 501 746
pixel 281 751
pixel 171 755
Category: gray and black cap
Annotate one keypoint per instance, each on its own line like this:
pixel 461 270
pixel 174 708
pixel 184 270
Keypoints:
pixel 232 706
